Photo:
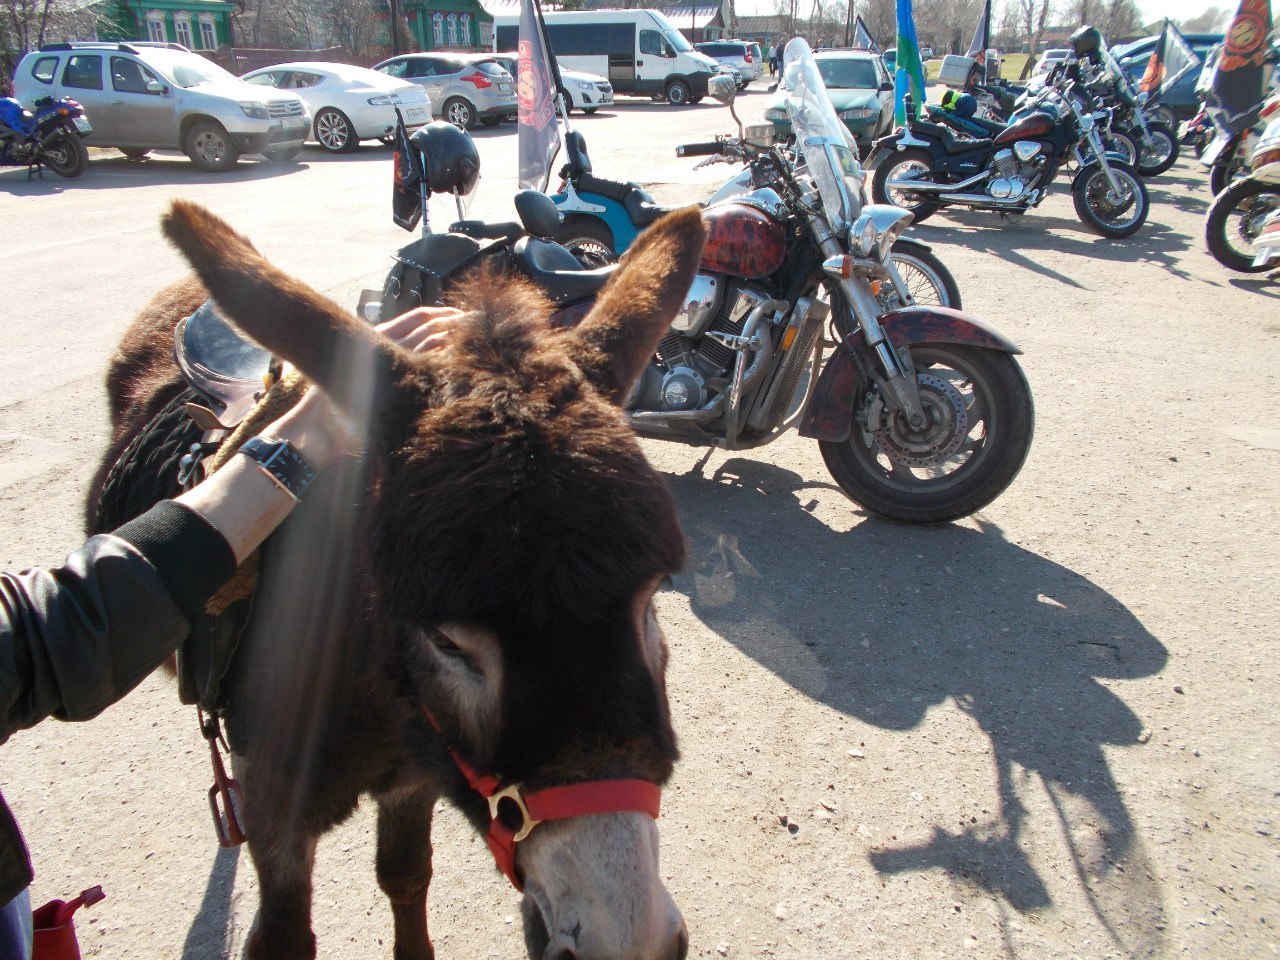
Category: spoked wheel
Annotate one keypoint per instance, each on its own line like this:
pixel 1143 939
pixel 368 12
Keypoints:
pixel 980 422
pixel 927 279
pixel 65 155
pixel 1159 152
pixel 587 239
pixel 1234 221
pixel 1228 170
pixel 1112 215
pixel 1126 145
pixel 907 165
pixel 334 131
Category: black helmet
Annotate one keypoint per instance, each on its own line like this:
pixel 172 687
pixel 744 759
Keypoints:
pixel 450 160
pixel 1085 42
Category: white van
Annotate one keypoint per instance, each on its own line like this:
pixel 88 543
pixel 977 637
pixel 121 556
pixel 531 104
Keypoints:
pixel 640 51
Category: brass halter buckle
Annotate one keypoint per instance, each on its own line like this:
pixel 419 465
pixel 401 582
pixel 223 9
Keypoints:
pixel 512 793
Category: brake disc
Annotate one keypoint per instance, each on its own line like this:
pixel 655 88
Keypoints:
pixel 948 425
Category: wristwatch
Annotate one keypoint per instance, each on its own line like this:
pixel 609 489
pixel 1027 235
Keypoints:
pixel 282 463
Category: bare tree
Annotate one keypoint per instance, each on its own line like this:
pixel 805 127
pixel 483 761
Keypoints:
pixel 1212 19
pixel 26 24
pixel 1035 16
pixel 1121 19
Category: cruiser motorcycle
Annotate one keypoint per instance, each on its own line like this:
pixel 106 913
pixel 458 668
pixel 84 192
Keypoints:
pixel 1242 230
pixel 51 137
pixel 924 166
pixel 922 414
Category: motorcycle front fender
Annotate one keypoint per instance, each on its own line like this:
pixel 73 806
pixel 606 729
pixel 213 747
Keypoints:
pixel 882 148
pixel 829 415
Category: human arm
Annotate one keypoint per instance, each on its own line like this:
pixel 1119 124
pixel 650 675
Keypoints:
pixel 76 638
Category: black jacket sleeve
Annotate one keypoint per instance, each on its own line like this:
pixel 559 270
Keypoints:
pixel 75 639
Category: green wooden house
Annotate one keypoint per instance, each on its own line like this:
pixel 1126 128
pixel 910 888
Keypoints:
pixel 447 24
pixel 196 24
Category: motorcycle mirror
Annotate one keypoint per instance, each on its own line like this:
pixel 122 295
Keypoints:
pixel 722 89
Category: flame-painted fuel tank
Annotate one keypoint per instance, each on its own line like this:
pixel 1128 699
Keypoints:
pixel 1036 125
pixel 742 241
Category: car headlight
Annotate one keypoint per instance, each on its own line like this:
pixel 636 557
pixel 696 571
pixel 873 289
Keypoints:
pixel 859 113
pixel 583 84
pixel 254 111
pixel 775 113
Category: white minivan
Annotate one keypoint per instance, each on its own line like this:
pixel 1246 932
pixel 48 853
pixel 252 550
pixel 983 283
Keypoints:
pixel 640 51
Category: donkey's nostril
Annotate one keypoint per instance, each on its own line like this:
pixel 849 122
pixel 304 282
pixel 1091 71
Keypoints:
pixel 682 942
pixel 563 954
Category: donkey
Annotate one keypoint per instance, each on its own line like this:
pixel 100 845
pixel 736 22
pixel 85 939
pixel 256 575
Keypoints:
pixel 463 612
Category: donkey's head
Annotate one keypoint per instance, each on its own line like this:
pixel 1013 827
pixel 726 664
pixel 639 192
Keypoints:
pixel 517 538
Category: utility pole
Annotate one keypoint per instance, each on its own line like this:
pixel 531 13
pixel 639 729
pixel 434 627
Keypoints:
pixel 395 28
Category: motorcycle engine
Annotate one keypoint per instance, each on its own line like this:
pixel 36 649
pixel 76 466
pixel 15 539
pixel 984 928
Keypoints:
pixel 690 367
pixel 1015 170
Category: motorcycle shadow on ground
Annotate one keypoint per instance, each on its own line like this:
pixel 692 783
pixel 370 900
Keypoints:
pixel 883 622
pixel 1017 239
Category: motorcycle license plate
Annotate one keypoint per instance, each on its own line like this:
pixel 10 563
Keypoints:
pixel 82 124
pixel 415 115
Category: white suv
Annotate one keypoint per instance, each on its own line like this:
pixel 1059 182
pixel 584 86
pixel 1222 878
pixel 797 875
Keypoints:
pixel 156 96
pixel 742 56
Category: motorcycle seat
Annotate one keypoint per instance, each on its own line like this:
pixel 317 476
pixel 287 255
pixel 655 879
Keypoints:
pixel 639 204
pixel 950 142
pixel 217 360
pixel 557 271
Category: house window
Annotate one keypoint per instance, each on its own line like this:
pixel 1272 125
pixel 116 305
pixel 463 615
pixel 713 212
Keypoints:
pixel 464 29
pixel 453 29
pixel 155 27
pixel 437 29
pixel 182 28
pixel 208 32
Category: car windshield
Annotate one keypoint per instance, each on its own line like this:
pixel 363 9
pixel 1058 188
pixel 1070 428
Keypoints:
pixel 186 69
pixel 848 74
pixel 674 36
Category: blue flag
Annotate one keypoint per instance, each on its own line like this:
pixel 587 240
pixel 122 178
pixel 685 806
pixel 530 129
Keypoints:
pixel 909 75
pixel 538 131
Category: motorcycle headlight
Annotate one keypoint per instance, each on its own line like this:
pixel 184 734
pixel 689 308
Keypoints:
pixel 254 111
pixel 863 236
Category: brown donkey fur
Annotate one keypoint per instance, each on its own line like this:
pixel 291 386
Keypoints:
pixel 501 490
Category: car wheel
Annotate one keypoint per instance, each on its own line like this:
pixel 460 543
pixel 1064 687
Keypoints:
pixel 136 154
pixel 334 131
pixel 460 113
pixel 210 147
pixel 677 93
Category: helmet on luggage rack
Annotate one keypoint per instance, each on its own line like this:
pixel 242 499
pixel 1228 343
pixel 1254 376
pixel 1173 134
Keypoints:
pixel 450 161
pixel 1086 44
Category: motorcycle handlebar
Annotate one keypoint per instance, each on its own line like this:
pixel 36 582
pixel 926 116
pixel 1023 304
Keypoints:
pixel 714 148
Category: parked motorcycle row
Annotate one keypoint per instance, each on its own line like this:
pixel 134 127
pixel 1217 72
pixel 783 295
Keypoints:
pixel 1242 229
pixel 810 309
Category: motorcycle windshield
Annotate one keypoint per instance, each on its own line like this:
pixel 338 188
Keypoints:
pixel 1127 89
pixel 829 151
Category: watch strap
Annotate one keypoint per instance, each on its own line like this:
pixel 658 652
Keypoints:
pixel 282 463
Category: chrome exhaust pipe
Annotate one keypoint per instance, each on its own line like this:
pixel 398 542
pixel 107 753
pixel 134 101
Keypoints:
pixel 986 203
pixel 916 186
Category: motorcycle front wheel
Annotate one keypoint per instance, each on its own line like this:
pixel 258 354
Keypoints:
pixel 1100 212
pixel 1160 155
pixel 980 424
pixel 66 155
pixel 1235 219
pixel 926 277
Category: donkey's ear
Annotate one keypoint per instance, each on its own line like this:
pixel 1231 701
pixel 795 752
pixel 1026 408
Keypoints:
pixel 331 348
pixel 633 311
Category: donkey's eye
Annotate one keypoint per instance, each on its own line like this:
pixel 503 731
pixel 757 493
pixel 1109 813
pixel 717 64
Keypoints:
pixel 444 643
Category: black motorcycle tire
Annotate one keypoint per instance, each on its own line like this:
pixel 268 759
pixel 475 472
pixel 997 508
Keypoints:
pixel 587 239
pixel 1157 161
pixel 65 154
pixel 916 262
pixel 1000 396
pixel 922 209
pixel 1230 168
pixel 1126 143
pixel 1218 224
pixel 1080 194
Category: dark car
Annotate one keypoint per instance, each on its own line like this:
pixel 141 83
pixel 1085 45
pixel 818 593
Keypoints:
pixel 1181 102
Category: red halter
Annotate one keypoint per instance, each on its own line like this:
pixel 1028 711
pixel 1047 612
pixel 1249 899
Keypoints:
pixel 553 803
